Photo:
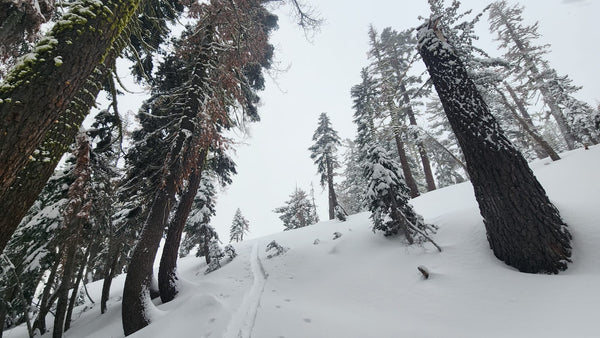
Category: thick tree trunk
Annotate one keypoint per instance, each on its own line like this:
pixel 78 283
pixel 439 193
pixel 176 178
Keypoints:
pixel 429 180
pixel 167 272
pixel 524 229
pixel 136 292
pixel 332 197
pixel 31 179
pixel 139 276
pixel 36 93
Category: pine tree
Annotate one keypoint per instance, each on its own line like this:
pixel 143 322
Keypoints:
pixel 323 152
pixel 393 53
pixel 352 190
pixel 523 228
pixel 197 229
pixel 531 68
pixel 298 211
pixel 220 77
pixel 387 198
pixel 239 227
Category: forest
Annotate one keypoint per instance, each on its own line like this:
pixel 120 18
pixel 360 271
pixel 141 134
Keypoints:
pixel 93 195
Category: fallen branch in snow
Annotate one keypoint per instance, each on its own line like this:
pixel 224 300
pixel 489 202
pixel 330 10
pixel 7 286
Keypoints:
pixel 424 271
pixel 422 233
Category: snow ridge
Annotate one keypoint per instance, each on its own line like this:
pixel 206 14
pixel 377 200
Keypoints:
pixel 243 320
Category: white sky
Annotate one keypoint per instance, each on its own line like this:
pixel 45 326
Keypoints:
pixel 274 159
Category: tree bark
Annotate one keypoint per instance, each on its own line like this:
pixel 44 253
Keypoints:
pixel 109 272
pixel 523 228
pixel 46 300
pixel 37 92
pixel 429 180
pixel 63 290
pixel 31 179
pixel 408 176
pixel 75 292
pixel 332 197
pixel 167 272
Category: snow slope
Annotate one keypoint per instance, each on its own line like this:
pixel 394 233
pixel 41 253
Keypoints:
pixel 365 285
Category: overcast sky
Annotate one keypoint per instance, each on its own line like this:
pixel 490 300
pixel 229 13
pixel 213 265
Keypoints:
pixel 274 159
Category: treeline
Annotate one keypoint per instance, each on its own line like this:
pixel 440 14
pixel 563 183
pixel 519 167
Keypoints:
pixel 105 211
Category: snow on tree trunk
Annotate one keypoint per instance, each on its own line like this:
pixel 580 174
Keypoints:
pixel 524 229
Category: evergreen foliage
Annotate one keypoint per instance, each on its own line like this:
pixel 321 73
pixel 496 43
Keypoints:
pixel 387 198
pixel 323 153
pixel 298 211
pixel 239 227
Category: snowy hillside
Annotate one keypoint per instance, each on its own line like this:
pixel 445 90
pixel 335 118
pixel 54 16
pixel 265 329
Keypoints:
pixel 365 285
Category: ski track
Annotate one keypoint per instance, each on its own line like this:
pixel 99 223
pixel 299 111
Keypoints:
pixel 243 320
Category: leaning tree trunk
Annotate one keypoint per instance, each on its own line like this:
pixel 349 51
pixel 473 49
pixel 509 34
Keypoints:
pixel 31 179
pixel 63 290
pixel 47 298
pixel 408 176
pixel 38 91
pixel 75 292
pixel 528 126
pixel 549 99
pixel 523 228
pixel 167 272
pixel 429 180
pixel 114 253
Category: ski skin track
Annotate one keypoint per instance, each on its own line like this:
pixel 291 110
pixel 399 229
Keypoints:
pixel 243 320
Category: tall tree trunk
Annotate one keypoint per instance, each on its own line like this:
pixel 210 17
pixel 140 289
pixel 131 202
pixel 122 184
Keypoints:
pixel 139 276
pixel 136 292
pixel 46 300
pixel 109 271
pixel 332 197
pixel 63 289
pixel 420 146
pixel 31 179
pixel 523 228
pixel 36 93
pixel 75 292
pixel 555 110
pixel 408 176
pixel 528 124
pixel 167 272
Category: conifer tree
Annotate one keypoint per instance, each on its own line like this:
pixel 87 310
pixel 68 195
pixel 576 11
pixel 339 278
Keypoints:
pixel 197 229
pixel 523 228
pixel 532 70
pixel 323 152
pixel 298 211
pixel 220 77
pixel 387 198
pixel 239 227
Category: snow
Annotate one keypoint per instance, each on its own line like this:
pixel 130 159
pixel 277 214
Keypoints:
pixel 365 285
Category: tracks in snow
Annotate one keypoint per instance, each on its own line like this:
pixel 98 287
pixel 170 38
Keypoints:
pixel 243 320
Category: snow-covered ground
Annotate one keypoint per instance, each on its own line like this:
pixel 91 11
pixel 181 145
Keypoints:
pixel 365 285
